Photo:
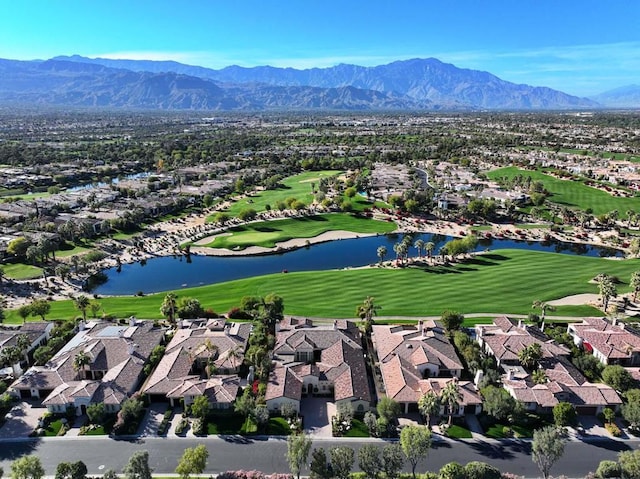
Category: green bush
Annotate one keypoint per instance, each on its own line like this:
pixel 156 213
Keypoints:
pixel 607 469
pixel 613 429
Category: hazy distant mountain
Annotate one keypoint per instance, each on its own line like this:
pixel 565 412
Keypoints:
pixel 419 79
pixel 624 97
pixel 70 83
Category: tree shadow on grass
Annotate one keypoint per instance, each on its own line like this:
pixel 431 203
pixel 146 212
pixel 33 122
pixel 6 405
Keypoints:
pixel 266 229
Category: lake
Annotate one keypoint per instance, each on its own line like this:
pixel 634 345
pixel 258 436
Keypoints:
pixel 171 273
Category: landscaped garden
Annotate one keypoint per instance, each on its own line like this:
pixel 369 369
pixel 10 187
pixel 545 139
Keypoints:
pixel 268 233
pixel 20 271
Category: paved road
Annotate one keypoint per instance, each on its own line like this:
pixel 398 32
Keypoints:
pixel 101 454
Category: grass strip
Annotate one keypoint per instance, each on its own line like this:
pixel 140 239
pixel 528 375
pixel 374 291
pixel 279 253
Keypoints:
pixel 268 233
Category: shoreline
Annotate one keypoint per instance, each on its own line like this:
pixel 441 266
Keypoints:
pixel 164 239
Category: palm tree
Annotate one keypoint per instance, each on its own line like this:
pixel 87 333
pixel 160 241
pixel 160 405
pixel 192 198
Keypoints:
pixel 82 303
pixel 530 355
pixel 428 404
pixel 211 349
pixel 381 252
pixel 168 307
pixel 419 245
pixel 608 289
pixel 22 343
pixel 544 307
pixel 234 354
pixel 635 284
pixel 429 247
pixel 539 376
pixel 367 310
pixel 81 360
pixel 451 397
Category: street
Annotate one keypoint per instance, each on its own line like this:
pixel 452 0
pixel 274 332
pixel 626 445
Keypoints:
pixel 268 455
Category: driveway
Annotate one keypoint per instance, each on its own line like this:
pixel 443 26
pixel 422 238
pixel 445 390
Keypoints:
pixel 317 412
pixel 21 420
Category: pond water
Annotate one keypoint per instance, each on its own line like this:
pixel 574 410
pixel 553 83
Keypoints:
pixel 170 273
pixel 114 181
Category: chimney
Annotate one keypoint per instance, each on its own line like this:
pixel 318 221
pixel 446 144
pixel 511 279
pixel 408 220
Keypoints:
pixel 478 377
pixel 335 325
pixel 520 325
pixel 226 330
pixel 277 327
pixel 420 327
pixel 131 347
pixel 132 320
pixel 509 374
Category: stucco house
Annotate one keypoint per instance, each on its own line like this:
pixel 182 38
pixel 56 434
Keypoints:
pixel 324 360
pixel 415 360
pixel 610 343
pixel 564 384
pixel 505 338
pixel 115 358
pixel 203 358
pixel 37 332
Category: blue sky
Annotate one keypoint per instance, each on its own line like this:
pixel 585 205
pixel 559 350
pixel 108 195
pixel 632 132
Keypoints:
pixel 582 47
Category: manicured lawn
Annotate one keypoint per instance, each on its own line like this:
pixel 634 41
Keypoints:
pixel 22 271
pixel 458 432
pixel 298 186
pixel 278 426
pixel 268 233
pixel 53 428
pixel 573 193
pixel 225 424
pixel 72 251
pixel 358 429
pixel 504 281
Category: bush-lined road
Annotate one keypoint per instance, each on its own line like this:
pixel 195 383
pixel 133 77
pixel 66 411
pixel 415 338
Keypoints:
pixel 101 454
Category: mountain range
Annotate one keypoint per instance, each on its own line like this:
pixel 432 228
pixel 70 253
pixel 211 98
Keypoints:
pixel 418 84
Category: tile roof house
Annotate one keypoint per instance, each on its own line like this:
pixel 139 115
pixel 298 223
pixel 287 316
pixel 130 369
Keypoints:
pixel 418 359
pixel 504 339
pixel 182 371
pixel 116 358
pixel 564 384
pixel 609 343
pixel 318 360
pixel 36 331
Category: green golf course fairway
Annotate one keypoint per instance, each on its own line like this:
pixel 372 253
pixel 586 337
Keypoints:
pixel 268 233
pixel 573 193
pixel 503 281
pixel 298 186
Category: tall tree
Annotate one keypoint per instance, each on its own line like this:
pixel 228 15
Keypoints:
pixel 392 460
pixel 82 303
pixel 451 320
pixel 415 442
pixel 298 447
pixel 428 404
pixel 366 311
pixel 381 252
pixel 40 307
pixel 138 466
pixel 543 306
pixel 193 461
pixel 27 467
pixel 341 461
pixel 634 283
pixel 80 361
pixel 451 397
pixel 369 461
pixel 547 448
pixel 530 355
pixel 168 307
pixel 429 247
pixel 419 245
pixel 319 464
pixel 607 289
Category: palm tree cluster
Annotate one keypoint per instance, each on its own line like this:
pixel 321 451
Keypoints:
pixel 450 397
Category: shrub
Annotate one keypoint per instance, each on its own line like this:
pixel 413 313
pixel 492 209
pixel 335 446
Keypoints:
pixel 182 426
pixel 613 429
pixel 199 427
pixel 607 469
